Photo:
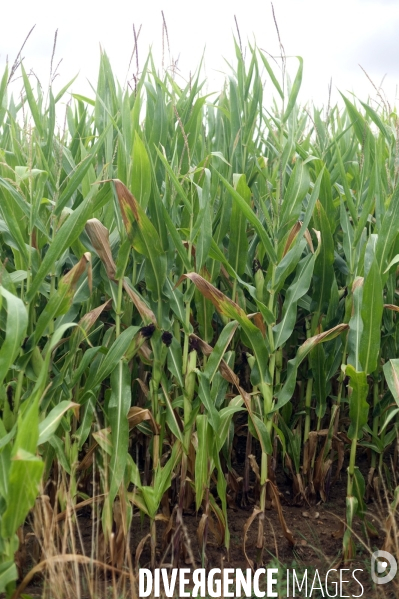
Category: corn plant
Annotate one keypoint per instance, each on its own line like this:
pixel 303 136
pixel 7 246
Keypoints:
pixel 177 266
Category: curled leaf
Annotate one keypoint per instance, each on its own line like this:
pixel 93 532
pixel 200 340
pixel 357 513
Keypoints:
pixel 99 237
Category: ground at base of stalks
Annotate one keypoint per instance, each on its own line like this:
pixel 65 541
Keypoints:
pixel 316 530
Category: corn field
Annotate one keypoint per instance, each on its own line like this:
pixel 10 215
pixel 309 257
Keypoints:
pixel 182 272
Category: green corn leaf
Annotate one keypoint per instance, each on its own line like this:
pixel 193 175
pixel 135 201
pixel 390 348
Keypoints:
pixel 17 322
pixel 388 233
pixel 49 425
pixel 376 119
pixel 359 489
pixel 238 243
pixel 323 269
pixel 288 389
pixel 111 359
pixel 202 475
pixel 391 372
pixel 203 222
pixel 8 573
pixel 177 244
pixel 325 193
pixel 252 218
pixel 163 476
pixel 308 212
pixel 79 173
pixel 360 126
pixel 226 415
pixel 61 301
pixel 144 238
pixel 271 74
pixel 345 184
pixel 317 360
pixel 65 89
pixel 117 410
pixel 31 101
pixel 204 393
pixel 5 465
pixel 179 189
pixel 295 291
pixel 141 172
pixel 15 227
pixel 25 475
pixel 348 235
pixel 220 349
pixel 294 91
pixel 358 406
pixel 366 207
pixel 3 99
pixel 228 308
pixel 67 234
pixel 298 187
pixel 41 381
pixel 175 361
pixel 371 312
pixel 356 325
pixel 263 435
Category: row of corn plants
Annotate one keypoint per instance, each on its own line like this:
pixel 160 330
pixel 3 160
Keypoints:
pixel 181 271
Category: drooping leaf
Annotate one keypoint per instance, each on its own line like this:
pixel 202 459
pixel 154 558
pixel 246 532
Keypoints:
pixel 287 391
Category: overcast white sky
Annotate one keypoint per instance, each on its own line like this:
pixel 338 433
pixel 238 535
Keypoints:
pixel 332 37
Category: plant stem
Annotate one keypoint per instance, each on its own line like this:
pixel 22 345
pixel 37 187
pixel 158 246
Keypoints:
pixel 376 419
pixel 308 406
pixel 118 311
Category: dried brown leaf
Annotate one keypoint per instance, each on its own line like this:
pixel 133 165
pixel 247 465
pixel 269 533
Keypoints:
pixel 277 503
pixel 309 240
pixel 392 307
pixel 291 237
pixel 99 237
pixel 247 526
pixel 145 312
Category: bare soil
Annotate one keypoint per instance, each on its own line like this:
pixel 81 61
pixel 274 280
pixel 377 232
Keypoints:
pixel 317 530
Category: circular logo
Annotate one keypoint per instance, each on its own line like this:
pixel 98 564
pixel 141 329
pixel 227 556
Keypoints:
pixel 380 567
